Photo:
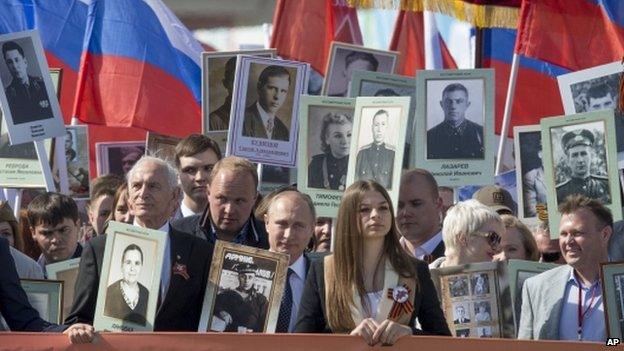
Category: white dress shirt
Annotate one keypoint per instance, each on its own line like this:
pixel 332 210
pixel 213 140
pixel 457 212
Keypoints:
pixel 186 212
pixel 265 118
pixel 426 248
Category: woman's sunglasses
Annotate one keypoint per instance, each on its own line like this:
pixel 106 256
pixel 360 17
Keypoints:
pixel 492 237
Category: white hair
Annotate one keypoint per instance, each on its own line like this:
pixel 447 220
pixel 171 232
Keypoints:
pixel 465 218
pixel 170 171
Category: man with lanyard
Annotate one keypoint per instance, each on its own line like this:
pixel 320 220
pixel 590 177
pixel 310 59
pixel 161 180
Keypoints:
pixel 419 215
pixel 566 303
pixel 231 198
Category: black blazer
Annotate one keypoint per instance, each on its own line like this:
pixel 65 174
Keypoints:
pixel 312 317
pixel 14 305
pixel 181 308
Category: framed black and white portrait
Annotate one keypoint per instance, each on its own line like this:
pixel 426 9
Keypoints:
pixel 326 127
pixel 76 152
pixel 161 146
pixel 379 131
pixel 530 178
pixel 265 109
pixel 365 83
pixel 458 125
pixel 612 277
pixel 218 72
pixel 245 289
pixel 580 158
pixel 28 99
pixel 130 279
pixel 118 157
pixel 593 89
pixel 344 59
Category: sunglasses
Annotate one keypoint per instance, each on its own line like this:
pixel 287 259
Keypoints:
pixel 492 238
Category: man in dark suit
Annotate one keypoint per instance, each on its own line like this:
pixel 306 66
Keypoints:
pixel 419 215
pixel 152 193
pixel 460 312
pixel 231 198
pixel 261 119
pixel 375 161
pixel 18 312
pixel 27 95
pixel 290 222
pixel 456 137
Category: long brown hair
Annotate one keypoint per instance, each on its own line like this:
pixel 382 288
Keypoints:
pixel 348 256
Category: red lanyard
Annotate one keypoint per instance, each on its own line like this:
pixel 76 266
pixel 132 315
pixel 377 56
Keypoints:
pixel 581 313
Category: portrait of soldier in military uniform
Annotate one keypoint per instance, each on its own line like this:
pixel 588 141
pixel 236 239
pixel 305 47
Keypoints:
pixel 328 170
pixel 243 306
pixel 26 93
pixel 534 189
pixel 375 160
pixel 580 157
pixel 457 136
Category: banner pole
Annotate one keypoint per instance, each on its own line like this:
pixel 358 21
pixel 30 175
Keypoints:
pixel 45 165
pixel 511 88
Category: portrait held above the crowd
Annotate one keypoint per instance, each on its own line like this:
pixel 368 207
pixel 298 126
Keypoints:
pixel 529 171
pixel 458 126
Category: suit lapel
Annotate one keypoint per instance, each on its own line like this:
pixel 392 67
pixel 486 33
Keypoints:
pixel 554 303
pixel 438 251
pixel 180 250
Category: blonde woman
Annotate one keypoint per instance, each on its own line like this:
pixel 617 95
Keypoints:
pixel 369 286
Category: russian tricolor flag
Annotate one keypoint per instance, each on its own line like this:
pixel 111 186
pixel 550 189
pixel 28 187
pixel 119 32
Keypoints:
pixel 140 67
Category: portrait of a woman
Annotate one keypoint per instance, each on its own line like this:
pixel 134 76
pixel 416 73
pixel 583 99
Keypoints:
pixel 329 169
pixel 126 298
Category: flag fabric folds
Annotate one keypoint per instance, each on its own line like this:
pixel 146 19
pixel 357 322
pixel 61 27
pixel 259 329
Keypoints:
pixel 575 34
pixel 140 67
pixel 304 29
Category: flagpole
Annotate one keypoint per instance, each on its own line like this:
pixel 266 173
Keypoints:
pixel 515 61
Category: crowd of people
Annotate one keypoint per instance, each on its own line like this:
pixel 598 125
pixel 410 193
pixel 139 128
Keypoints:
pixel 339 269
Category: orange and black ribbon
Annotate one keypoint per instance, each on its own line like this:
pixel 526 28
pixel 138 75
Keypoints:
pixel 399 308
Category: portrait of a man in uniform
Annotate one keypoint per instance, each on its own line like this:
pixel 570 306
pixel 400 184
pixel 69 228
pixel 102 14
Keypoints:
pixel 456 137
pixel 261 118
pixel 578 146
pixel 243 306
pixel 375 161
pixel 26 94
pixel 328 170
pixel 534 188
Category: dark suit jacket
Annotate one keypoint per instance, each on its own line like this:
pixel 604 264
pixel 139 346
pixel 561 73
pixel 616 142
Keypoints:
pixel 181 308
pixel 14 305
pixel 312 316
pixel 115 305
pixel 253 126
pixel 201 226
pixel 438 251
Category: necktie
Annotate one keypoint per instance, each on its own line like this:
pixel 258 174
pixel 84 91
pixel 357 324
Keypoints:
pixel 283 318
pixel 269 127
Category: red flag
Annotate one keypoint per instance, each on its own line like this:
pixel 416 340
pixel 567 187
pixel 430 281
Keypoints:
pixel 304 29
pixel 575 34
pixel 408 39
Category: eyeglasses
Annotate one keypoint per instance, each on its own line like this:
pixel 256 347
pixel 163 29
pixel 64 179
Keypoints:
pixel 493 238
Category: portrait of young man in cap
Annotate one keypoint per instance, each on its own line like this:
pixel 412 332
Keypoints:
pixel 578 146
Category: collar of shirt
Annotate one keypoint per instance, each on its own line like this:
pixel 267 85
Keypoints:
pixel 593 322
pixel 246 235
pixel 264 116
pixel 426 248
pixel 459 128
pixel 297 282
pixel 186 212
pixel 165 276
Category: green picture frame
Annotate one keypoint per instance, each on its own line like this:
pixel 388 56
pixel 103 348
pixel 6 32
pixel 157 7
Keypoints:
pixel 46 296
pixel 612 275
pixel 476 168
pixel 366 83
pixel 603 155
pixel 311 154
